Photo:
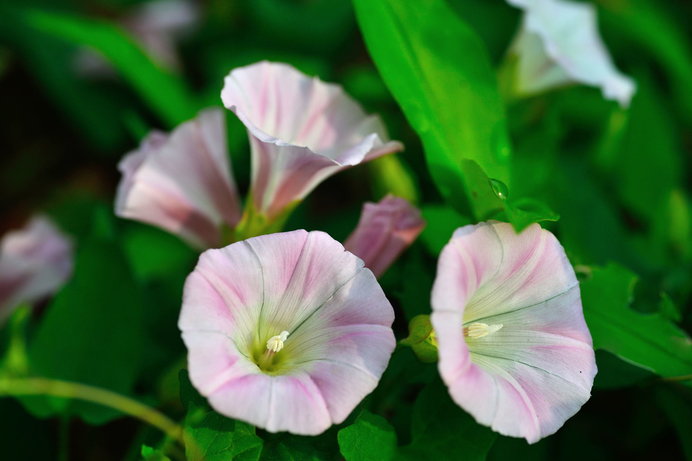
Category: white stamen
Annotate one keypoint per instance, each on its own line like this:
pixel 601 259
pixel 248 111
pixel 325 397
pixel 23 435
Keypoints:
pixel 478 330
pixel 276 343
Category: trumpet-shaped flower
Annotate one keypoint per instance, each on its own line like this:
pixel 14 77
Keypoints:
pixel 34 263
pixel 385 230
pixel 286 331
pixel 182 182
pixel 514 349
pixel 302 131
pixel 558 43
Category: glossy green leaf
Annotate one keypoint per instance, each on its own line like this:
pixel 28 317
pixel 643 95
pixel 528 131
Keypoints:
pixel 647 340
pixel 439 73
pixel 163 91
pixel 370 437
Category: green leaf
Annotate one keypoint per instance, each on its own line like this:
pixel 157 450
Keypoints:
pixel 163 91
pixel 155 253
pixel 212 437
pixel 440 74
pixel 525 211
pixel 440 427
pixel 615 373
pixel 648 153
pixel 668 309
pixel 92 332
pixel 370 437
pixel 152 454
pixel 288 447
pixel 647 340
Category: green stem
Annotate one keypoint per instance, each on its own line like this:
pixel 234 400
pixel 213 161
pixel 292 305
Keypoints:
pixel 254 223
pixel 65 389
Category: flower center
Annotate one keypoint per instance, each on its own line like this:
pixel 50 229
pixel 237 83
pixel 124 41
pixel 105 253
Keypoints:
pixel 267 355
pixel 477 330
pixel 276 343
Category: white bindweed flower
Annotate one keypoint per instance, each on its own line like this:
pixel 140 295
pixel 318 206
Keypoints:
pixel 558 43
pixel 287 331
pixel 302 130
pixel 182 182
pixel 514 349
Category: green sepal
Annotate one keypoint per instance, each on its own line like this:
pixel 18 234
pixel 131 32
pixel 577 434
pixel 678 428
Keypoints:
pixel 421 339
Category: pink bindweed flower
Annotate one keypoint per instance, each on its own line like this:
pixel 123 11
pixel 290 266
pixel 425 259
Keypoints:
pixel 286 331
pixel 302 131
pixel 385 230
pixel 514 349
pixel 182 182
pixel 34 263
pixel 558 43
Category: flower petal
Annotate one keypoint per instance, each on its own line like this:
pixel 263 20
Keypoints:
pixel 528 377
pixel 276 403
pixel 385 229
pixel 34 263
pixel 337 320
pixel 302 131
pixel 346 362
pixel 559 43
pixel 182 182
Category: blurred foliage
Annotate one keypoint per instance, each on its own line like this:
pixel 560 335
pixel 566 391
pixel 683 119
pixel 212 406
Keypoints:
pixel 612 184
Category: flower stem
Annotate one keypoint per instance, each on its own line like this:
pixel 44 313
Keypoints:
pixel 65 389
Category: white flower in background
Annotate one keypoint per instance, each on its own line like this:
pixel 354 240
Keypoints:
pixel 34 263
pixel 558 44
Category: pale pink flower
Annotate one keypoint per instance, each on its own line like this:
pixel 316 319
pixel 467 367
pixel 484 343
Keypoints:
pixel 34 263
pixel 385 230
pixel 286 331
pixel 514 349
pixel 558 43
pixel 182 182
pixel 302 131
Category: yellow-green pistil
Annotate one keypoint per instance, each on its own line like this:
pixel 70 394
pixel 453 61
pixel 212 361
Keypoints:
pixel 269 359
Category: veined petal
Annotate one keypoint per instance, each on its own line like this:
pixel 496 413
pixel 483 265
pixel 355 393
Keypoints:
pixel 558 43
pixel 182 182
pixel 34 263
pixel 302 131
pixel 535 368
pixel 385 230
pixel 329 321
